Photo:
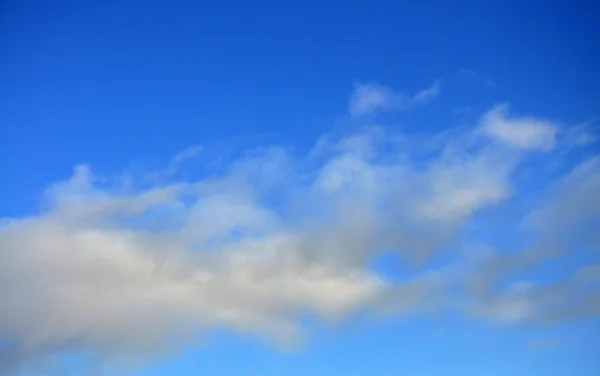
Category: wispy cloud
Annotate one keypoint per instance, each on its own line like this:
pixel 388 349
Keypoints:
pixel 523 132
pixel 124 272
pixel 182 156
pixel 369 98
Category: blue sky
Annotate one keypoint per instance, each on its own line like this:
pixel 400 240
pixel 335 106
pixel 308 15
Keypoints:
pixel 291 188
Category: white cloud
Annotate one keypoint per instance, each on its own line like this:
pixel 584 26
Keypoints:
pixel 122 272
pixel 521 132
pixel 563 223
pixel 370 98
pixel 462 187
pixel 571 201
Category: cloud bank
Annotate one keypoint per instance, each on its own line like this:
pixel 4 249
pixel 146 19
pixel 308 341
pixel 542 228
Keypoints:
pixel 124 271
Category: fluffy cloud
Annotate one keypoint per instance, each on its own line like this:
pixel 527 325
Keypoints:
pixel 521 132
pixel 369 98
pixel 121 271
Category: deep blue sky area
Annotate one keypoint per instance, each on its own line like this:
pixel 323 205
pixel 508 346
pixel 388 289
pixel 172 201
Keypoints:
pixel 103 82
pixel 125 86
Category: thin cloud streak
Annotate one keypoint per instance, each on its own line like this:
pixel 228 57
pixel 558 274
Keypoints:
pixel 370 98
